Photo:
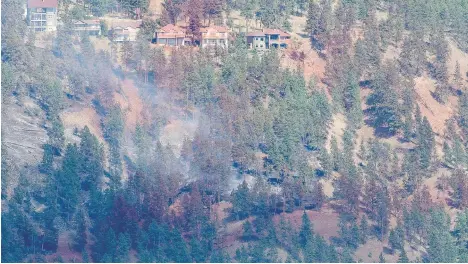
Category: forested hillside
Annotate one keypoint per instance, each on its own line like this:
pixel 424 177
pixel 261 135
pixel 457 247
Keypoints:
pixel 349 145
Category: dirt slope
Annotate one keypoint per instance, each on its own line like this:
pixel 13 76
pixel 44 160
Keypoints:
pixel 23 131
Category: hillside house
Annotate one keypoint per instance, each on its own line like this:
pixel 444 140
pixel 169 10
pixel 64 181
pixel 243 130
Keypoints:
pixel 92 27
pixel 214 36
pixel 268 38
pixel 42 15
pixel 124 30
pixel 171 35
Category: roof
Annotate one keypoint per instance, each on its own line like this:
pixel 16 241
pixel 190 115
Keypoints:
pixel 170 28
pixel 256 34
pixel 219 29
pixel 268 31
pixel 42 3
pixel 92 21
pixel 125 24
pixel 87 22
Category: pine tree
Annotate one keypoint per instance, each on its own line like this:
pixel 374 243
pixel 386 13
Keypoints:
pixel 460 154
pixel 319 195
pixel 91 159
pixel 381 258
pixel 457 78
pixel 319 23
pixel 396 238
pixel 56 136
pixel 325 162
pixel 241 201
pixel 313 18
pixel 195 12
pixel 426 144
pixel 248 230
pixel 213 9
pixel 408 105
pixel 80 235
pixel 171 10
pixel 383 102
pixel 352 101
pixel 346 256
pixel 441 245
pixel 461 229
pixel 248 11
pixel 177 250
pixel 242 255
pixel 197 251
pixel 448 154
pixel 463 113
pixel 306 234
pixel 403 258
pixel 412 56
pixel 336 154
pixel 123 247
pixel 46 165
pixel 67 182
pixel 220 256
pixel 363 230
pixel 460 188
pixel 85 256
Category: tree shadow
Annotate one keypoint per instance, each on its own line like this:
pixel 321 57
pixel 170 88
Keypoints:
pixel 303 35
pixel 437 98
pixel 380 132
pixel 388 250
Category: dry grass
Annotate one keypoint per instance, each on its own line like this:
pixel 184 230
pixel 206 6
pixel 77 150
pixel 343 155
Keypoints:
pixel 87 116
pixel 130 101
pixel 174 134
pixel 337 129
pixel 101 43
pixel 79 118
pixel 64 251
pixel 370 251
pixel 325 221
pixel 458 55
pixel 155 7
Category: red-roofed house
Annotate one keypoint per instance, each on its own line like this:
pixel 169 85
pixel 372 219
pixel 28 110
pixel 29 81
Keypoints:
pixel 214 36
pixel 268 38
pixel 42 15
pixel 170 35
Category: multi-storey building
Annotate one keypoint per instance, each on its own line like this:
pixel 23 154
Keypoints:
pixel 125 30
pixel 170 35
pixel 268 38
pixel 42 15
pixel 214 36
pixel 92 27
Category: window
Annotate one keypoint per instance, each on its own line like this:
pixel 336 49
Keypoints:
pixel 261 39
pixel 171 42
